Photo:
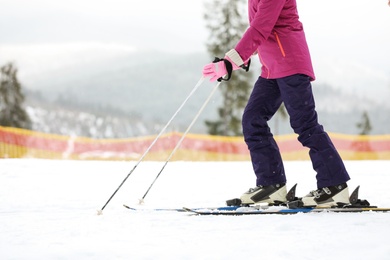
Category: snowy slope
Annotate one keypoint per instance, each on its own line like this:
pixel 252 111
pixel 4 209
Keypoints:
pixel 48 211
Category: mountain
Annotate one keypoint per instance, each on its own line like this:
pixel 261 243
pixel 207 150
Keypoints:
pixel 79 119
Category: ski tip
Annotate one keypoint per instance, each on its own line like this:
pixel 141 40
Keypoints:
pixel 124 205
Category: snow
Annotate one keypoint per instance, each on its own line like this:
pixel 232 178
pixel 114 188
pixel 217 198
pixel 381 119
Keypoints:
pixel 48 211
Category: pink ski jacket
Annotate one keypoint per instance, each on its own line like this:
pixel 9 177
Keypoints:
pixel 277 35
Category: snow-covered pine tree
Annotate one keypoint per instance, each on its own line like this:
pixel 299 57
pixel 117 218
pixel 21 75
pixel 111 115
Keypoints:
pixel 12 112
pixel 365 124
pixel 227 21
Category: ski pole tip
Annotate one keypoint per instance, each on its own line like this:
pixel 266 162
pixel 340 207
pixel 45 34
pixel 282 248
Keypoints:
pixel 99 212
pixel 141 202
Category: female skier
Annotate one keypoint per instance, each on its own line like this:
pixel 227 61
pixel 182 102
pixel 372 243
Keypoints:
pixel 277 36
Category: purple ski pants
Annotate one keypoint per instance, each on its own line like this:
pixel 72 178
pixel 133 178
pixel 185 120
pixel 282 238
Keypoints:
pixel 296 93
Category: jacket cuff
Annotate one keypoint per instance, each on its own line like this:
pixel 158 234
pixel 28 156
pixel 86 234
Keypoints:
pixel 235 57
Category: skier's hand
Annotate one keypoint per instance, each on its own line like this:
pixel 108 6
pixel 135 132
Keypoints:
pixel 222 67
pixel 217 70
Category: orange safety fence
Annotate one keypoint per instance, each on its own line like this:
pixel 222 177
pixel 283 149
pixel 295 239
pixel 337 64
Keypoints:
pixel 21 143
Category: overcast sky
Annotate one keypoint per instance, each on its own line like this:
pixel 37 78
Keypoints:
pixel 178 25
pixel 170 25
pixel 353 34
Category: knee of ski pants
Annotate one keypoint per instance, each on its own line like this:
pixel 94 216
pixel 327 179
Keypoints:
pixel 263 103
pixel 254 127
pixel 299 102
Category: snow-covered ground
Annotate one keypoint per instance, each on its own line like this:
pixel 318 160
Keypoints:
pixel 48 211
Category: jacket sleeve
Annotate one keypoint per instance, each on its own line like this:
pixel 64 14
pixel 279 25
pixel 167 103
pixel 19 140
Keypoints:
pixel 261 26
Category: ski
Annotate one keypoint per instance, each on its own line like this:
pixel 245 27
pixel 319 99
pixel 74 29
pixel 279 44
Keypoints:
pixel 281 210
pixel 153 209
pixel 261 210
pixel 223 208
pixel 293 205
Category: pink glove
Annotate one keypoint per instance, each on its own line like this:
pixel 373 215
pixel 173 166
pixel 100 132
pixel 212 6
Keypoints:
pixel 216 70
pixel 221 67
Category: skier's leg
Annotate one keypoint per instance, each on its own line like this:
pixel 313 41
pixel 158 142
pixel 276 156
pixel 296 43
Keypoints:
pixel 266 159
pixel 297 95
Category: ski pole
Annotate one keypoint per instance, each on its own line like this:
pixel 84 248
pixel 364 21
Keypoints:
pixel 141 201
pixel 100 212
